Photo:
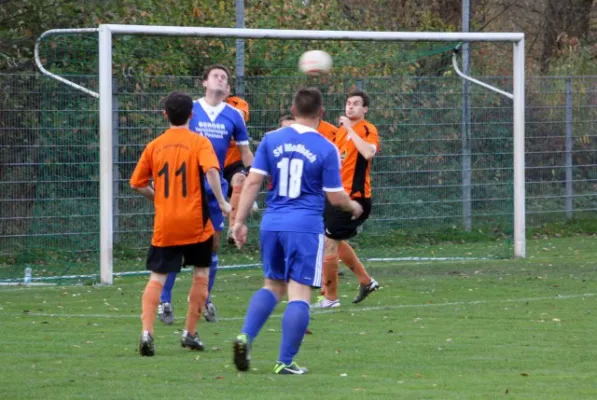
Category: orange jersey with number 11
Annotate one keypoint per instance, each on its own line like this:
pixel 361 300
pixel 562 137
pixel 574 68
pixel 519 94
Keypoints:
pixel 177 161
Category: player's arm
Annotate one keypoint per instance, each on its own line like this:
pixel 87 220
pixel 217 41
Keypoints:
pixel 241 136
pixel 140 179
pixel 249 194
pixel 366 149
pixel 333 188
pixel 251 187
pixel 208 161
pixel 213 178
pixel 246 154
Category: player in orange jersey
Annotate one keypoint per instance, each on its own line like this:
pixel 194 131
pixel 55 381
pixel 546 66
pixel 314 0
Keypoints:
pixel 357 141
pixel 235 171
pixel 177 161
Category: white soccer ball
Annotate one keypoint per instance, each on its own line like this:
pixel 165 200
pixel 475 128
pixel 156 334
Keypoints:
pixel 315 62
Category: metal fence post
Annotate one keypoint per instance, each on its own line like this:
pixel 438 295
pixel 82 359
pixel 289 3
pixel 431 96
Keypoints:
pixel 569 133
pixel 115 169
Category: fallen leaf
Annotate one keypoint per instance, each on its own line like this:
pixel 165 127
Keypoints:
pixel 220 377
pixel 524 374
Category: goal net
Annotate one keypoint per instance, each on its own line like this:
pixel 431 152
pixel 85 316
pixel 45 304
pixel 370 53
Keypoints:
pixel 443 181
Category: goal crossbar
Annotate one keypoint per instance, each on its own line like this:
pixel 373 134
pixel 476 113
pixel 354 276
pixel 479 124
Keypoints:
pixel 106 32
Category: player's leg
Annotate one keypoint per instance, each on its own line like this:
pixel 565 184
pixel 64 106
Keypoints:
pixel 199 256
pixel 217 220
pixel 367 284
pixel 329 298
pixel 165 308
pixel 304 252
pixel 264 301
pixel 160 261
pixel 236 181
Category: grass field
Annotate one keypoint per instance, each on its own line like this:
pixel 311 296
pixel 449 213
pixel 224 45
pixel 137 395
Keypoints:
pixel 485 329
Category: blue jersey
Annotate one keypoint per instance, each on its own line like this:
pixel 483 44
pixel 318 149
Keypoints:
pixel 219 124
pixel 302 165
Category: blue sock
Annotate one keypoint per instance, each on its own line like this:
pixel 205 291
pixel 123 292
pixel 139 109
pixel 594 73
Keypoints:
pixel 166 296
pixel 213 270
pixel 261 306
pixel 294 324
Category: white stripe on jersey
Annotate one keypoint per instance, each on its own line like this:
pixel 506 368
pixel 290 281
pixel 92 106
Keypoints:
pixel 319 262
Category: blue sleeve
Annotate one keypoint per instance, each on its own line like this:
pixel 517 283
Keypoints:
pixel 261 160
pixel 332 182
pixel 240 134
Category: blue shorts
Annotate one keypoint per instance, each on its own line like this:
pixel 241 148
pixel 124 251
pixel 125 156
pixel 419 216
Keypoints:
pixel 215 212
pixel 292 255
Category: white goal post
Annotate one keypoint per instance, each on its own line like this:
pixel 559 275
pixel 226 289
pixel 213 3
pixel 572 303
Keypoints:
pixel 106 31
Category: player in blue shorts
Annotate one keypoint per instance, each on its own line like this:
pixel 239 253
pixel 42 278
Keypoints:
pixel 220 123
pixel 304 169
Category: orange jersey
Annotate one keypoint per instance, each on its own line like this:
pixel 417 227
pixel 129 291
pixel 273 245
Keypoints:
pixel 327 130
pixel 177 161
pixel 355 168
pixel 233 153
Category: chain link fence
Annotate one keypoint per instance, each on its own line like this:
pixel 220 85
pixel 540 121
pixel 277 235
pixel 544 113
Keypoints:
pixel 49 163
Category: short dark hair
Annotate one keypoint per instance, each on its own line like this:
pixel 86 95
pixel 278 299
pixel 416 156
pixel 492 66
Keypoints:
pixel 286 117
pixel 307 102
pixel 210 68
pixel 178 108
pixel 359 93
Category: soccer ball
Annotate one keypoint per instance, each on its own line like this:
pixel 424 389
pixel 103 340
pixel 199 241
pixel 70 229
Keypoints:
pixel 315 62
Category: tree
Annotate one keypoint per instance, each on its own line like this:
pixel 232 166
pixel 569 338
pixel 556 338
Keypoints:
pixel 564 22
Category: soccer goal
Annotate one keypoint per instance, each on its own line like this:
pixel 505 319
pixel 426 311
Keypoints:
pixel 434 178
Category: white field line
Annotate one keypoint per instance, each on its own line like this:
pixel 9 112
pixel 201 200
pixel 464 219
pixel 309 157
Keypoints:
pixel 327 311
pixel 37 280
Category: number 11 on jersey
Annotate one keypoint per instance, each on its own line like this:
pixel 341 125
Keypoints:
pixel 291 172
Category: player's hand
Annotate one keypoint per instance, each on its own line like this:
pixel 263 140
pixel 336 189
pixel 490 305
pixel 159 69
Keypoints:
pixel 239 232
pixel 344 121
pixel 357 209
pixel 226 208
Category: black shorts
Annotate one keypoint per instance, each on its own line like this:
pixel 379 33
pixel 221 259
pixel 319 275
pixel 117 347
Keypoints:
pixel 171 258
pixel 229 172
pixel 339 224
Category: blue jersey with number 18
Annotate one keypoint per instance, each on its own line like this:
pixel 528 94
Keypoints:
pixel 303 165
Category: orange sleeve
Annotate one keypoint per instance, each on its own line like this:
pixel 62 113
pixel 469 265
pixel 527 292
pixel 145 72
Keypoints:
pixel 142 173
pixel 207 155
pixel 373 137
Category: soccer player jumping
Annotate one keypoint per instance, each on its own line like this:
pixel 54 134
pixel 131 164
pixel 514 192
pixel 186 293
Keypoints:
pixel 357 141
pixel 219 122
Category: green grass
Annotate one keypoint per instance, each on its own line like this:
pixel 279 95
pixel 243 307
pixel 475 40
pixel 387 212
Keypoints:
pixel 485 329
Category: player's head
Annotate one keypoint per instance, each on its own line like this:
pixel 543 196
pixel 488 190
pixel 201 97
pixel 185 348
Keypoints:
pixel 240 104
pixel 357 104
pixel 286 120
pixel 215 80
pixel 307 103
pixel 178 108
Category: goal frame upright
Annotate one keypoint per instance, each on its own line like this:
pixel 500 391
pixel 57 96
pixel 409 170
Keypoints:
pixel 107 31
